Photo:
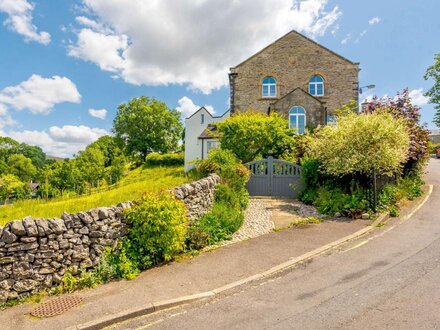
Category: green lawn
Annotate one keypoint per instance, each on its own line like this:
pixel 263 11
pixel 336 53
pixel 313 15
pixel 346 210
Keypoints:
pixel 131 187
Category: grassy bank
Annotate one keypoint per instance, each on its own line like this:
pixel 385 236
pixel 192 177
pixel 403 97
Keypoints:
pixel 131 187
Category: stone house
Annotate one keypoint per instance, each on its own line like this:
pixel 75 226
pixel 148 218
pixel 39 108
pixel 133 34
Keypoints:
pixel 297 77
pixel 294 76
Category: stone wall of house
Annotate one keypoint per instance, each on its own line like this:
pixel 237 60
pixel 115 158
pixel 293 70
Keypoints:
pixel 314 110
pixel 292 60
pixel 36 253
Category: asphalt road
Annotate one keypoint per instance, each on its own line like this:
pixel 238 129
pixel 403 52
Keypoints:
pixel 389 279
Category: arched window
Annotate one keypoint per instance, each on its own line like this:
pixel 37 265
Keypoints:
pixel 316 86
pixel 269 87
pixel 297 119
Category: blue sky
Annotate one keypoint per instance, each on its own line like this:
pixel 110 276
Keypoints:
pixel 66 65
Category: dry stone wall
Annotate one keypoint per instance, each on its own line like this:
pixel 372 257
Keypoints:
pixel 198 196
pixel 36 253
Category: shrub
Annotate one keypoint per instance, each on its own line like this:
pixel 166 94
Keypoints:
pixel 401 108
pixel 226 164
pixel 330 201
pixel 156 159
pixel 409 187
pixel 235 199
pixel 158 228
pixel 217 160
pixel 362 144
pixel 230 200
pixel 102 273
pixel 252 135
pixel 389 196
pixel 220 223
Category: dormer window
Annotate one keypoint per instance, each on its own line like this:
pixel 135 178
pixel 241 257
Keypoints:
pixel 269 87
pixel 316 85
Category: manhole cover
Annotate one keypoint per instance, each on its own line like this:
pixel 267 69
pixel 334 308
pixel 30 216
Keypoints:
pixel 56 306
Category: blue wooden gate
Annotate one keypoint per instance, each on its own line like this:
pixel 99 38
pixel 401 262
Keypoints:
pixel 274 177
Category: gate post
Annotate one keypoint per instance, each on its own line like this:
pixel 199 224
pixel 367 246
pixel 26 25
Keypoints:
pixel 270 173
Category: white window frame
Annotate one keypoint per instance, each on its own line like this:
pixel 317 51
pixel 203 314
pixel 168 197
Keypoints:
pixel 316 84
pixel 297 115
pixel 269 85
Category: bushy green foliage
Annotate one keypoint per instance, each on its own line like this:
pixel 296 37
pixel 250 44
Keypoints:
pixel 408 187
pixel 235 199
pixel 226 164
pixel 362 144
pixel 219 224
pixel 231 199
pixel 158 228
pixel 156 159
pixel 252 135
pixel 12 188
pixel 102 273
pixel 401 107
pixel 334 200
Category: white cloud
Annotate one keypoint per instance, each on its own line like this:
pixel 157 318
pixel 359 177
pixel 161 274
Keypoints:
pixel 94 25
pixel 104 50
pixel 187 107
pixel 346 39
pixel 20 20
pixel 374 20
pixel 60 141
pixel 418 98
pixel 191 42
pixel 40 95
pixel 101 114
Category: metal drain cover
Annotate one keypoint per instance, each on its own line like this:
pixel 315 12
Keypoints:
pixel 56 306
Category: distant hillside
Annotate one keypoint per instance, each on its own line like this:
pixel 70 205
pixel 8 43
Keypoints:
pixel 57 159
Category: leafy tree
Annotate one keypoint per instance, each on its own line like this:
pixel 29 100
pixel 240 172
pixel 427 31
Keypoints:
pixel 362 144
pixel 22 167
pixel 401 107
pixel 8 147
pixel 115 172
pixel 251 135
pixel 12 187
pixel 147 125
pixel 433 72
pixel 34 153
pixel 90 164
pixel 110 147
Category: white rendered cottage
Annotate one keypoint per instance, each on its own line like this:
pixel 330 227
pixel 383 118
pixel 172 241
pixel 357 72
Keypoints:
pixel 199 138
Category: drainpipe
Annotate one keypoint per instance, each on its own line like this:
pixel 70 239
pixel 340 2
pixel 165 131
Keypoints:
pixel 203 142
pixel 232 77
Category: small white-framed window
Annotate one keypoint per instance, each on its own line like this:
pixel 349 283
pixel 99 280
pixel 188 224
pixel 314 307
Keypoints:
pixel 211 145
pixel 316 85
pixel 297 119
pixel 269 87
pixel 202 118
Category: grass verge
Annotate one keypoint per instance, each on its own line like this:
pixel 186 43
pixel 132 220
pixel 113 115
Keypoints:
pixel 146 180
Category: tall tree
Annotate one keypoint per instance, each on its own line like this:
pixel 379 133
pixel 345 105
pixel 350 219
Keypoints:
pixel 22 167
pixel 147 125
pixel 34 153
pixel 433 72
